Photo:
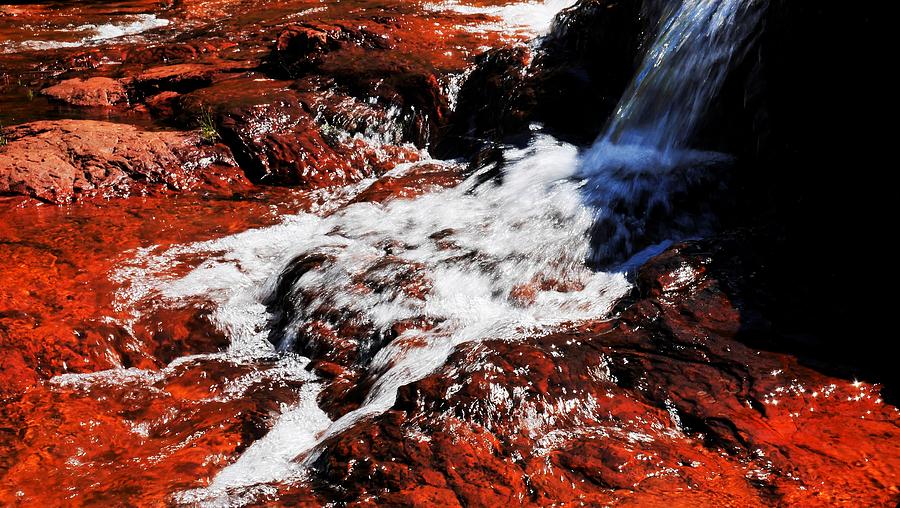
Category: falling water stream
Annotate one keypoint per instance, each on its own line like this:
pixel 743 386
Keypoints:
pixel 494 260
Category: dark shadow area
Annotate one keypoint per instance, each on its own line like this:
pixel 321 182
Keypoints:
pixel 805 114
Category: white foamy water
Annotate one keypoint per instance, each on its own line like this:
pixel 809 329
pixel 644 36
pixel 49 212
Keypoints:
pixel 500 258
pixel 93 34
pixel 531 18
pixel 478 248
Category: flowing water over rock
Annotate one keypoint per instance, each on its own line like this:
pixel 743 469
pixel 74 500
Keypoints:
pixel 403 284
pixel 393 289
pixel 436 332
pixel 641 175
pixel 52 25
pixel 685 67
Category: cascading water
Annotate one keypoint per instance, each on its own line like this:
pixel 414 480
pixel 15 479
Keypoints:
pixel 681 73
pixel 640 176
pixel 402 284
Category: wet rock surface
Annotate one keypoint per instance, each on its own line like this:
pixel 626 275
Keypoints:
pixel 279 142
pixel 298 102
pixel 66 160
pixel 60 314
pixel 664 400
pixel 97 91
pixel 724 378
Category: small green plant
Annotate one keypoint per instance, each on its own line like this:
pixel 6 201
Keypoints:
pixel 3 140
pixel 29 94
pixel 330 133
pixel 209 133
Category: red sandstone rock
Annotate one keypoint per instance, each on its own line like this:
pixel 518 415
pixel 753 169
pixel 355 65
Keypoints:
pixel 184 77
pixel 186 429
pixel 65 160
pixel 663 404
pixel 278 142
pixel 298 48
pixel 90 92
pixel 418 179
pixel 173 53
pixel 163 104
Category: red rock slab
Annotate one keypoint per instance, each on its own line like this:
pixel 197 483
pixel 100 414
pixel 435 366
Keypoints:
pixel 135 436
pixel 417 180
pixel 66 160
pixel 97 91
pixel 184 77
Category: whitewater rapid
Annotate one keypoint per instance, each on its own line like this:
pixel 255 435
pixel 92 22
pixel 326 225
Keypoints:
pixel 530 231
pixel 90 34
pixel 502 258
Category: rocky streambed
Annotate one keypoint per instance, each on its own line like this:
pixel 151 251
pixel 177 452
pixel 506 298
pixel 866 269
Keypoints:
pixel 294 252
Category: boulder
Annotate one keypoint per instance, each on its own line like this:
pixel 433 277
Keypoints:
pixel 495 102
pixel 570 84
pixel 278 142
pixel 97 91
pixel 63 161
pixel 368 63
pixel 585 64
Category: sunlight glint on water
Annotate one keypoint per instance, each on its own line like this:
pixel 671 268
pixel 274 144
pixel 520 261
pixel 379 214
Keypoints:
pixel 528 231
pixel 475 246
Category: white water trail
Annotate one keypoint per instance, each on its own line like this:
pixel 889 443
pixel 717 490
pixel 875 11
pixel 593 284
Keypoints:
pixel 532 18
pixel 501 260
pixel 475 246
pixel 126 26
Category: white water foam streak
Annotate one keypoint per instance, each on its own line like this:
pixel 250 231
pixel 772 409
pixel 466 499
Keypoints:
pixel 95 34
pixel 478 247
pixel 531 18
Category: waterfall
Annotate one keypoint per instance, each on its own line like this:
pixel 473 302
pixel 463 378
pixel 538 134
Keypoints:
pixel 481 261
pixel 644 183
pixel 682 71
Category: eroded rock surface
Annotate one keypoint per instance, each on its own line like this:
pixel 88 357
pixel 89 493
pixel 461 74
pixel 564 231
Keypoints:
pixel 66 160
pixel 98 91
pixel 665 400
